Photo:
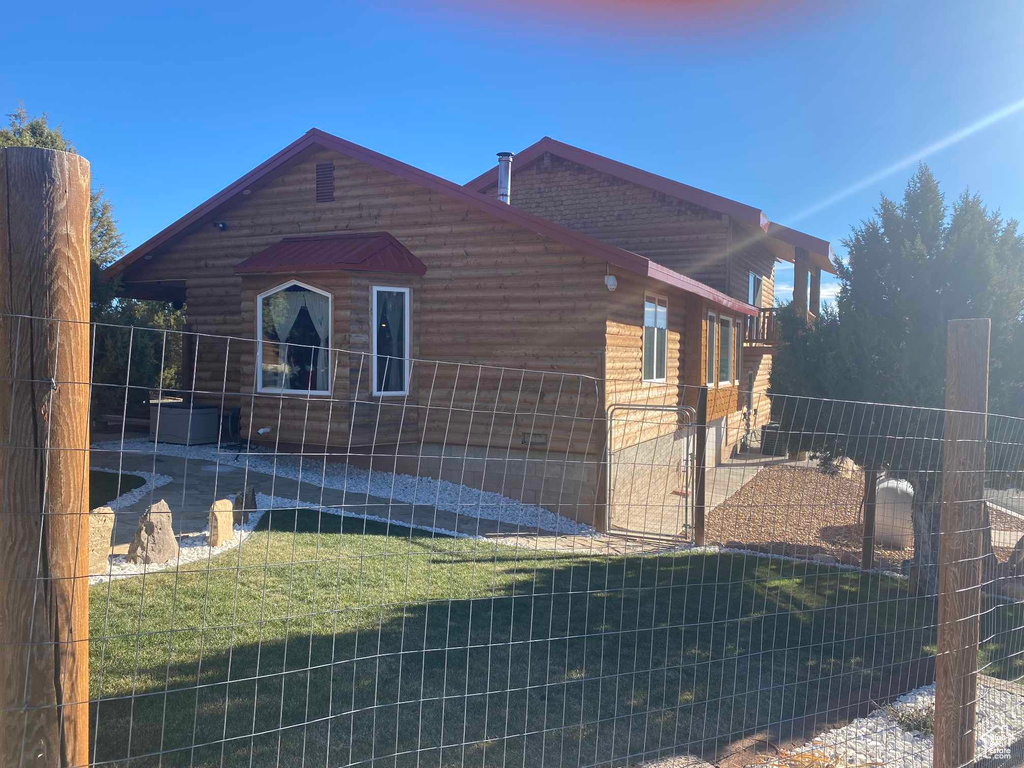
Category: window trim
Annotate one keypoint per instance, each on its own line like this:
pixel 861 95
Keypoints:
pixel 373 339
pixel 261 341
pixel 664 379
pixel 712 381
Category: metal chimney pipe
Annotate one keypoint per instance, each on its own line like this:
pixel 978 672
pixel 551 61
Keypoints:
pixel 505 177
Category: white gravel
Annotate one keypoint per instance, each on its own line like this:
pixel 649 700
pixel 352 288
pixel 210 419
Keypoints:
pixel 153 480
pixel 879 740
pixel 442 494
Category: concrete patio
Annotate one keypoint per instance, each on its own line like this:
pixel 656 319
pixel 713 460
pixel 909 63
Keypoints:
pixel 196 484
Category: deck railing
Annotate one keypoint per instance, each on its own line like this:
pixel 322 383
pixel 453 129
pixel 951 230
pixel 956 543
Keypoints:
pixel 762 328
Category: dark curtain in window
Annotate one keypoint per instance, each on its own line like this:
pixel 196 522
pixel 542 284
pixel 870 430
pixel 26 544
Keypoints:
pixel 391 341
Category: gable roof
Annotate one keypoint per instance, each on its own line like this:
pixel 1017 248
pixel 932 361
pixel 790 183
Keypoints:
pixel 819 250
pixel 617 257
pixel 359 251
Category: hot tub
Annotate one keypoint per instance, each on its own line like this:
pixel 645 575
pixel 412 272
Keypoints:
pixel 182 423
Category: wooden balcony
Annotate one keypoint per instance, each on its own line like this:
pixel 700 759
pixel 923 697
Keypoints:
pixel 762 329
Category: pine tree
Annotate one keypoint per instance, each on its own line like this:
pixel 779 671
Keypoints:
pixel 913 266
pixel 151 365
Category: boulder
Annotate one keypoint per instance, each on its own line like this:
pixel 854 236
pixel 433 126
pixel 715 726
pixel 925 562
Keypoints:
pixel 825 559
pixel 222 515
pixel 101 531
pixel 894 525
pixel 154 540
pixel 245 505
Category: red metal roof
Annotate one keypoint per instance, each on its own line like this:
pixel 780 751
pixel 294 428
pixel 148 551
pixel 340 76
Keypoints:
pixel 749 215
pixel 361 251
pixel 619 257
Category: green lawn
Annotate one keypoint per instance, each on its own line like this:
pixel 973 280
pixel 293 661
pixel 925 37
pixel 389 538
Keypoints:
pixel 411 650
pixel 104 487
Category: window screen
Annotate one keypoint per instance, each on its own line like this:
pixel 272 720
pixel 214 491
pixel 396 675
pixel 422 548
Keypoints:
pixel 295 324
pixel 712 349
pixel 655 339
pixel 754 289
pixel 390 340
pixel 725 350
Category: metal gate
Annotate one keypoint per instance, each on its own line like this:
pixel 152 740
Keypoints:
pixel 651 457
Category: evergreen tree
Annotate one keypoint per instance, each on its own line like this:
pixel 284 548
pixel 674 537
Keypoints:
pixel 151 364
pixel 912 267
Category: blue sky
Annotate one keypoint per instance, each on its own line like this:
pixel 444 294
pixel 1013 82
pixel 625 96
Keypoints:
pixel 782 108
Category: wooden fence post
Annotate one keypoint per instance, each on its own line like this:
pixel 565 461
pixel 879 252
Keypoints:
pixel 960 541
pixel 44 481
pixel 867 559
pixel 699 481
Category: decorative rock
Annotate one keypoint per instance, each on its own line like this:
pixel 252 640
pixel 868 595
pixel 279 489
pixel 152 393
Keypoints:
pixel 849 558
pixel 154 541
pixel 824 558
pixel 222 516
pixel 245 505
pixel 101 529
pixel 735 545
pixel 847 467
pixel 894 526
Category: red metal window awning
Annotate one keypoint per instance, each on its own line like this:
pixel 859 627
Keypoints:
pixel 361 251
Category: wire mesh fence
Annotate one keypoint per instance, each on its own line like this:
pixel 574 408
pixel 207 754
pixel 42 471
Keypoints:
pixel 496 567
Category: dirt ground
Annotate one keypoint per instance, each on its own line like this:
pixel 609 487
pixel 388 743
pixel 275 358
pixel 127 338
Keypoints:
pixel 798 511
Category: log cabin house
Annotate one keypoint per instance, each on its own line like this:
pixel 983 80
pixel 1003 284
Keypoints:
pixel 323 287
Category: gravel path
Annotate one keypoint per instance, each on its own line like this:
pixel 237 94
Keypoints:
pixel 880 740
pixel 440 494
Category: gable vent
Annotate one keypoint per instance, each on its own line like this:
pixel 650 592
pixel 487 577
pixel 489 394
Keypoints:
pixel 325 182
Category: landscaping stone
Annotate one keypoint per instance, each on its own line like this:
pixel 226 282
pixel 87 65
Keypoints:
pixel 824 558
pixel 849 558
pixel 101 529
pixel 245 505
pixel 222 515
pixel 735 544
pixel 894 527
pixel 154 540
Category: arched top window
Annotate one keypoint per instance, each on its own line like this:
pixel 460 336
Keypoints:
pixel 293 321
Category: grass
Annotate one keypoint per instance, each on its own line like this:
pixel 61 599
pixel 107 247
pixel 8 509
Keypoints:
pixel 352 646
pixel 920 719
pixel 104 487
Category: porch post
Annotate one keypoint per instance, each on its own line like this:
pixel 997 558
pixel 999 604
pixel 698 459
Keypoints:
pixel 815 299
pixel 801 262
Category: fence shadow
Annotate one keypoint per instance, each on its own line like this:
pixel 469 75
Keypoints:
pixel 574 661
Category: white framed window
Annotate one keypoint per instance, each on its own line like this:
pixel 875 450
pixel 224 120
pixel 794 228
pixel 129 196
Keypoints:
pixel 726 350
pixel 655 338
pixel 712 332
pixel 390 313
pixel 293 324
pixel 754 290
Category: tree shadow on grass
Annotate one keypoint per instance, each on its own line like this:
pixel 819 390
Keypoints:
pixel 575 662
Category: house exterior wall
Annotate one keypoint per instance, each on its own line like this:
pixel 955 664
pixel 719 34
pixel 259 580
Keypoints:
pixel 497 302
pixel 650 435
pixel 687 238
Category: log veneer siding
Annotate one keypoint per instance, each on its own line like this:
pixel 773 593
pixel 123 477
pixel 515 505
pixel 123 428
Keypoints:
pixel 685 237
pixel 494 294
